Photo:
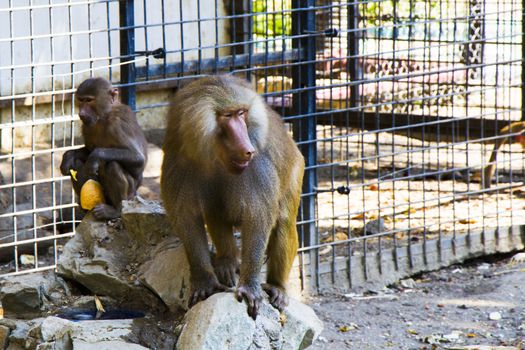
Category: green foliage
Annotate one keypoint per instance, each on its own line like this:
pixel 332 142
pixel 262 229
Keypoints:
pixel 377 12
pixel 275 23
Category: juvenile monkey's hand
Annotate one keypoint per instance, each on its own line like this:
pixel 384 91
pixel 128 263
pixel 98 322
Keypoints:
pixel 67 162
pixel 252 293
pixel 91 167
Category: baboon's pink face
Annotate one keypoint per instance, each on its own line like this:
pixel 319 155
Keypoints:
pixel 235 148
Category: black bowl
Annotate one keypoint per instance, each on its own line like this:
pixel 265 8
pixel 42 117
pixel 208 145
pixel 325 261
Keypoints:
pixel 89 315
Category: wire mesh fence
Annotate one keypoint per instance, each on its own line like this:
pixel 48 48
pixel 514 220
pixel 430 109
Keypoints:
pixel 396 106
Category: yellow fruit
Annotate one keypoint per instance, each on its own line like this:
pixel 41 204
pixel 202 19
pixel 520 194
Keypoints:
pixel 91 194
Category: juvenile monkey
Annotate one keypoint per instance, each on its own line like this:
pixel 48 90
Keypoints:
pixel 115 150
pixel 229 162
pixel 512 128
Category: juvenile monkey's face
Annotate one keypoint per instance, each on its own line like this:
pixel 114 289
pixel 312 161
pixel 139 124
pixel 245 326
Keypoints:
pixel 87 110
pixel 91 108
pixel 235 149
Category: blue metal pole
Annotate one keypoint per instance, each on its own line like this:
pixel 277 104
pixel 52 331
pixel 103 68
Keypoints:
pixel 127 52
pixel 304 128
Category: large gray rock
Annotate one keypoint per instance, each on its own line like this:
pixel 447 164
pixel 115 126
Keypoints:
pixel 221 322
pixel 28 296
pixel 53 328
pixel 168 275
pixel 141 261
pixel 20 296
pixel 103 258
pixel 145 221
pixel 87 258
pixel 301 327
pixel 24 335
pixel 108 259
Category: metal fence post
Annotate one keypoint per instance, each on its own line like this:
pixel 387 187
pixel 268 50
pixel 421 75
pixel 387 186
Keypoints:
pixel 353 64
pixel 127 52
pixel 304 128
pixel 523 63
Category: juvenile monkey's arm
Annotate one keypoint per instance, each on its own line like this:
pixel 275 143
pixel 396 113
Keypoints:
pixel 71 157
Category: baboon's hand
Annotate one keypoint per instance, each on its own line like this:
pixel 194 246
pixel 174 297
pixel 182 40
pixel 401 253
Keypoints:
pixel 252 293
pixel 278 296
pixel 204 288
pixel 226 269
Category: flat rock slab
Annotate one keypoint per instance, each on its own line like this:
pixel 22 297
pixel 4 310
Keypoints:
pixel 106 345
pixel 99 335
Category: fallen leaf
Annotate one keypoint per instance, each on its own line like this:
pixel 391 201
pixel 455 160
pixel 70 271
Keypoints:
pixel 99 305
pixel 467 221
pixel 412 331
pixel 408 211
pixel 344 329
pixel 471 335
pixel 360 216
pixel 423 280
pixel 349 327
pixel 282 319
pixel 339 236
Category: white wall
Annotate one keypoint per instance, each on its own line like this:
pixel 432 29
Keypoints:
pixel 63 35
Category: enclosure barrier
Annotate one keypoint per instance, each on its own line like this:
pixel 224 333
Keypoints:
pixel 395 105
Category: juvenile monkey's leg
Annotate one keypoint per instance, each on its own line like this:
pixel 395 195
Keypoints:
pixel 115 182
pixel 226 261
pixel 281 251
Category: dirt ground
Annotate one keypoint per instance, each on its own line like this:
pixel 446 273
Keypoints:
pixel 446 309
pixel 480 303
